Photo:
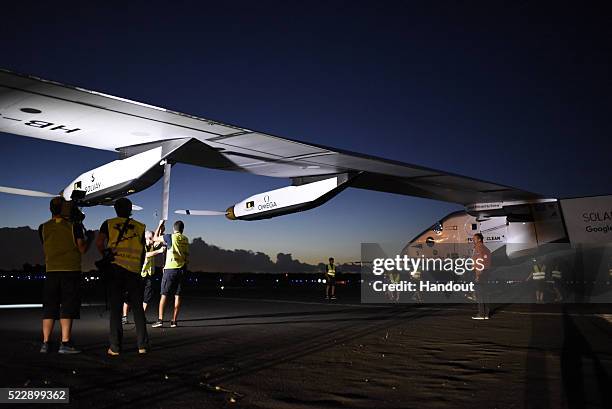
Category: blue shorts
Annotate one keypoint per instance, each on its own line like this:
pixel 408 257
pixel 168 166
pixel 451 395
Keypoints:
pixel 172 281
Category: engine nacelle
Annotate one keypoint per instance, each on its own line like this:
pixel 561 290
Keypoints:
pixel 118 178
pixel 290 199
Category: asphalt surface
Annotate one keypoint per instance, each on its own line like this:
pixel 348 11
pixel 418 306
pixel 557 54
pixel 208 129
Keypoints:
pixel 264 352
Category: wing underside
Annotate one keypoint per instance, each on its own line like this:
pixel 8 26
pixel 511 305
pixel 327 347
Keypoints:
pixel 43 109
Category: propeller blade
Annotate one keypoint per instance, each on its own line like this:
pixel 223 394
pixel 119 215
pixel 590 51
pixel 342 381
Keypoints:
pixel 134 207
pixel 200 212
pixel 25 192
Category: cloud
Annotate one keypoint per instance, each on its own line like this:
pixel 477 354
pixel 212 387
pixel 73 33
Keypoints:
pixel 22 245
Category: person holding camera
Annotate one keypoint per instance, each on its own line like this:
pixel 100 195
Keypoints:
pixel 122 243
pixel 64 241
pixel 177 256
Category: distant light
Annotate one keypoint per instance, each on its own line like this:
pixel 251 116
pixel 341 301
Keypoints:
pixel 223 287
pixel 324 281
pixel 319 280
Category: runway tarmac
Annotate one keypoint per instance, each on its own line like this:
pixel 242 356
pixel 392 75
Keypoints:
pixel 244 352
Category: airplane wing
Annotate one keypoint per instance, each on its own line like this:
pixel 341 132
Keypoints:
pixel 38 108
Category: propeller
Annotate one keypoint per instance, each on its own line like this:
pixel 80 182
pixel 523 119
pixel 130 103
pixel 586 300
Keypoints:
pixel 200 212
pixel 36 193
pixel 25 192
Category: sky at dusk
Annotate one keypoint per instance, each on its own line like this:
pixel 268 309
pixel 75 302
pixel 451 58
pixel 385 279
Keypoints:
pixel 511 92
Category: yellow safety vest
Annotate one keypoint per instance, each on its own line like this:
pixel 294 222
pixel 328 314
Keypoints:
pixel 177 254
pixel 128 252
pixel 556 275
pixel 331 270
pixel 539 272
pixel 394 277
pixel 61 251
pixel 149 265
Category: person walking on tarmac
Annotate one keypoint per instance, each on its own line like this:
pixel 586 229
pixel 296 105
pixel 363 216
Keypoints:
pixel 393 276
pixel 538 275
pixel 415 277
pixel 148 269
pixel 557 285
pixel 330 277
pixel 483 254
pixel 177 257
pixel 64 241
pixel 124 237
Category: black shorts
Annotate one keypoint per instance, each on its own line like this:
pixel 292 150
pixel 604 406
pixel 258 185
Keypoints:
pixel 172 282
pixel 148 289
pixel 62 295
pixel 331 280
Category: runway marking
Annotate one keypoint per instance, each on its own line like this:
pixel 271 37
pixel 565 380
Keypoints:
pixel 11 306
pixel 24 306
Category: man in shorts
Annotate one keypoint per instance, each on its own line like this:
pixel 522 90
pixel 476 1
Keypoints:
pixel 177 256
pixel 64 241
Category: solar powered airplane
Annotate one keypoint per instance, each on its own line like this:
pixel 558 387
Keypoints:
pixel 149 140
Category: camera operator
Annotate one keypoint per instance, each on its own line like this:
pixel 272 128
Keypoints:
pixel 122 243
pixel 64 240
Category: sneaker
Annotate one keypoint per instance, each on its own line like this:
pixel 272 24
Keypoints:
pixel 478 317
pixel 68 348
pixel 173 324
pixel 158 324
pixel 124 320
pixel 333 297
pixel 327 297
pixel 142 351
pixel 110 352
pixel 44 348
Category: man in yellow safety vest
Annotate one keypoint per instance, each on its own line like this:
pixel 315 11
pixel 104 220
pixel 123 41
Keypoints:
pixel 63 243
pixel 177 257
pixel 557 277
pixel 538 275
pixel 330 280
pixel 124 237
pixel 148 269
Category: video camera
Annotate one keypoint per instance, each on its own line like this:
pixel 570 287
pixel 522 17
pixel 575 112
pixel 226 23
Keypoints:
pixel 71 212
pixel 70 209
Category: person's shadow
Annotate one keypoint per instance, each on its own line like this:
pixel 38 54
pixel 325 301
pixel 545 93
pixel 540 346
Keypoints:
pixel 584 379
pixel 576 351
